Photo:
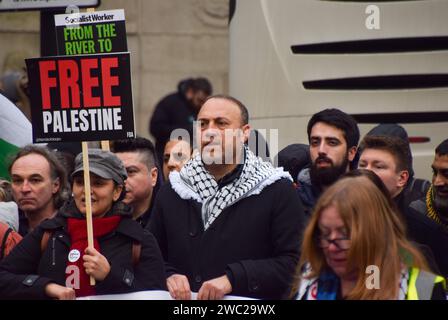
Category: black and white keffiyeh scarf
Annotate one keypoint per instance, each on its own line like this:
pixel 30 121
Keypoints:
pixel 195 182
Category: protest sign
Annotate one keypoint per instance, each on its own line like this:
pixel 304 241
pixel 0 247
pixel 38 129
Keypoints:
pixel 151 295
pixel 81 98
pixel 91 32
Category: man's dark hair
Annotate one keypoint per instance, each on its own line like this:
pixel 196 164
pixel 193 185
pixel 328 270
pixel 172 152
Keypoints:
pixel 180 138
pixel 140 145
pixel 340 120
pixel 394 145
pixel 57 170
pixel 442 148
pixel 196 84
pixel 202 84
pixel 293 158
pixel 184 85
pixel 394 130
pixel 241 106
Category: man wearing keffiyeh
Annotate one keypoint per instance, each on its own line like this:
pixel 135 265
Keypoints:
pixel 228 222
pixel 435 206
pixel 435 203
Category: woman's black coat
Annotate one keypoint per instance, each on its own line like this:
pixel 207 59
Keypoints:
pixel 27 270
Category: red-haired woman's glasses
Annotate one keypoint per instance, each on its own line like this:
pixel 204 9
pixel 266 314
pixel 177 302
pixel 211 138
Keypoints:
pixel 341 243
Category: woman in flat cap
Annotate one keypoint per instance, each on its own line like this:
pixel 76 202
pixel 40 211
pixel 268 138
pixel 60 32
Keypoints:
pixel 54 261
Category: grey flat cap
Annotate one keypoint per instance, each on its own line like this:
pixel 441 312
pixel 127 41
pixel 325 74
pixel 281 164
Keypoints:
pixel 104 164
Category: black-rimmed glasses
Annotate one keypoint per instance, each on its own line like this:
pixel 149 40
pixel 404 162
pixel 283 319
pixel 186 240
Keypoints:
pixel 341 243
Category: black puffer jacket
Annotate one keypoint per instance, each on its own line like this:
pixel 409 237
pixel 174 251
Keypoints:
pixel 26 271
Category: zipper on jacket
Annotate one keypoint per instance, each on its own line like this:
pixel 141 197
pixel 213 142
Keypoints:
pixel 53 251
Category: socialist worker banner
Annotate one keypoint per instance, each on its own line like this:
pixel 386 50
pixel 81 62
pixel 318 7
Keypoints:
pixel 91 32
pixel 81 98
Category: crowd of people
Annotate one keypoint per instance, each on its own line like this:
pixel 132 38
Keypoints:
pixel 337 219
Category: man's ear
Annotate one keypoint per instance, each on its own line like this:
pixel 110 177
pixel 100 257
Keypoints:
pixel 352 153
pixel 56 185
pixel 403 177
pixel 154 172
pixel 246 132
pixel 189 94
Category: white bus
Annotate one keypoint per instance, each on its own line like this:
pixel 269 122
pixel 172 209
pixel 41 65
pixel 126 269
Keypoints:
pixel 380 61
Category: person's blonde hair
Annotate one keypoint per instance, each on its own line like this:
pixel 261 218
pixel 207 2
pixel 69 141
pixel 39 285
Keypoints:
pixel 377 238
pixel 5 191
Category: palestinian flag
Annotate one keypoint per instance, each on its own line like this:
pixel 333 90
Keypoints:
pixel 15 132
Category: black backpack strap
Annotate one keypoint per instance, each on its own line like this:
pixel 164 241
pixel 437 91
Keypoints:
pixel 425 186
pixel 411 186
pixel 5 238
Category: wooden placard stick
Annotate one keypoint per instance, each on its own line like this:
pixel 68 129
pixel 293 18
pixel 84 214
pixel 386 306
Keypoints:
pixel 105 145
pixel 89 221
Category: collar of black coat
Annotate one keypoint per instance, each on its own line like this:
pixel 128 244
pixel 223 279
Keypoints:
pixel 228 178
pixel 144 218
pixel 23 224
pixel 127 226
pixel 232 175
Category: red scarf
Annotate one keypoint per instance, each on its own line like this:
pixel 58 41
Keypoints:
pixel 77 229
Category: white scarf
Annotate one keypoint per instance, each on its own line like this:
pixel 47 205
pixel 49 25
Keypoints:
pixel 195 182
